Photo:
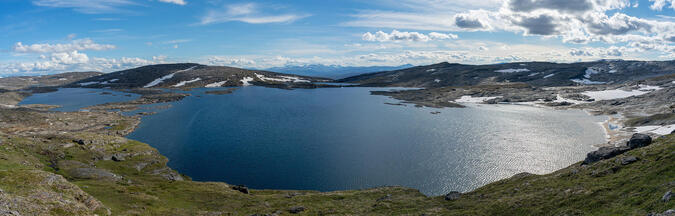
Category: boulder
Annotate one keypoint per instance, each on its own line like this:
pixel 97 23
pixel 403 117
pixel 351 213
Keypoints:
pixel 604 153
pixel 666 197
pixel 639 140
pixel 628 160
pixel 241 188
pixel 296 209
pixel 453 195
pixel 117 157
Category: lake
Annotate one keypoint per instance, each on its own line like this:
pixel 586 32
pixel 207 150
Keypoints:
pixel 344 138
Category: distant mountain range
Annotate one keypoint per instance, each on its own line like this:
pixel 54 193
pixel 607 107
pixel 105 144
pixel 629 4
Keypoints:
pixel 532 73
pixel 333 71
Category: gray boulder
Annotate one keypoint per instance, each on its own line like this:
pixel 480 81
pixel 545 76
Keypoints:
pixel 604 153
pixel 666 197
pixel 453 195
pixel 639 140
pixel 628 160
pixel 241 188
pixel 296 209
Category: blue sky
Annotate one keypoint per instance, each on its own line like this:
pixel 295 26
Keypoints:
pixel 50 36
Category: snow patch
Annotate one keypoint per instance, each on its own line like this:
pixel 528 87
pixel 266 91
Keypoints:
pixel 656 129
pixel 589 72
pixel 512 70
pixel 216 84
pixel 161 79
pixel 587 82
pixel 533 74
pixel 88 83
pixel 548 76
pixel 437 80
pixel 246 81
pixel 62 79
pixel 282 79
pixel 182 83
pixel 469 99
pixel 618 93
pixel 431 70
pixel 611 71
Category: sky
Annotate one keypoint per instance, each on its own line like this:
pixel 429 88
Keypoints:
pixel 53 36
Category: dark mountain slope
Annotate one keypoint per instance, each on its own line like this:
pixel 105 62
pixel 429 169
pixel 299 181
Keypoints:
pixel 533 73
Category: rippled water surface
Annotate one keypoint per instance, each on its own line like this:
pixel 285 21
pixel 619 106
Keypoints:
pixel 345 138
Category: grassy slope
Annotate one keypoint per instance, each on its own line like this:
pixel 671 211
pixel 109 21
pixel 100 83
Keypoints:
pixel 27 162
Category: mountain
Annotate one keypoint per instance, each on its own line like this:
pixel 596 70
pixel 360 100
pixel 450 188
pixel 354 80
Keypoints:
pixel 533 73
pixel 333 71
pixel 22 82
pixel 190 75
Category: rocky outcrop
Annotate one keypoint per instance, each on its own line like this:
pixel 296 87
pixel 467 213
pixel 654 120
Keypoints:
pixel 453 195
pixel 639 140
pixel 636 141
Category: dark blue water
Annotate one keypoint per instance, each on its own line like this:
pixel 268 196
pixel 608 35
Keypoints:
pixel 73 99
pixel 345 138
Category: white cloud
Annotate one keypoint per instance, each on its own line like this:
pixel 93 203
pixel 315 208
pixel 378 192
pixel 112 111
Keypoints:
pixel 659 4
pixel 248 13
pixel 86 6
pixel 406 36
pixel 178 2
pixel 74 45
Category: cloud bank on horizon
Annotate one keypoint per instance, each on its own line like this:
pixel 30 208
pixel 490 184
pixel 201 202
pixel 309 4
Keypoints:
pixel 50 36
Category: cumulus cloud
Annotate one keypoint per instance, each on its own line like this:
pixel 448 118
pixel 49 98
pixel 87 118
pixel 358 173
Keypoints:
pixel 74 45
pixel 73 61
pixel 538 25
pixel 468 22
pixel 248 13
pixel 567 5
pixel 659 4
pixel 178 2
pixel 406 36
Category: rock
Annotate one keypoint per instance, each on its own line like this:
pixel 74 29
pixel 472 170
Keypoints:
pixel 117 157
pixel 628 160
pixel 241 188
pixel 79 141
pixel 604 153
pixel 666 197
pixel 453 195
pixel 291 195
pixel 296 209
pixel 92 173
pixel 639 140
pixel 384 198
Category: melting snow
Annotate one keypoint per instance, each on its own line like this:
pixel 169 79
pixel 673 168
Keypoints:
pixel 246 80
pixel 282 79
pixel 586 81
pixel 182 83
pixel 88 83
pixel 216 84
pixel 618 93
pixel 469 99
pixel 511 70
pixel 656 129
pixel 161 79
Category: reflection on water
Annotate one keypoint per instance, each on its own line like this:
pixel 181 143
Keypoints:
pixel 333 139
pixel 345 138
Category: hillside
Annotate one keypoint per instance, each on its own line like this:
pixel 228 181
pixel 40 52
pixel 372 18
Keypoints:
pixel 79 164
pixel 333 71
pixel 189 75
pixel 532 73
pixel 22 82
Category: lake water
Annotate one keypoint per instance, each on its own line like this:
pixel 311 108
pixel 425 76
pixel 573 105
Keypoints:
pixel 73 99
pixel 345 138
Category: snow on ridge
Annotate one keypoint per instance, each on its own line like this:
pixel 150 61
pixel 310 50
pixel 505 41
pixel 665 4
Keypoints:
pixel 656 129
pixel 215 84
pixel 587 81
pixel 512 70
pixel 282 79
pixel 182 83
pixel 161 79
pixel 246 81
pixel 88 83
pixel 469 99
